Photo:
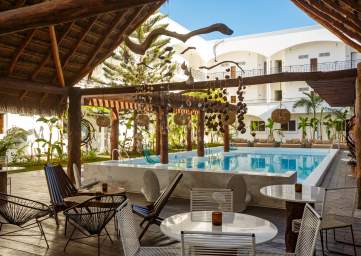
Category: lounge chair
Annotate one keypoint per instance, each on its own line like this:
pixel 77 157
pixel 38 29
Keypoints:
pixel 60 187
pixel 150 214
pixel 241 196
pixel 151 187
pixel 149 158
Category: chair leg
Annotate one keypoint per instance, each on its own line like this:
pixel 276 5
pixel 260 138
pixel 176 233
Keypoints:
pixel 106 231
pixel 42 232
pixel 141 224
pixel 353 241
pixel 66 225
pixel 67 242
pixel 98 245
pixel 144 230
pixel 322 246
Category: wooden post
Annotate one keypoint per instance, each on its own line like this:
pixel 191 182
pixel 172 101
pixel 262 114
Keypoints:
pixel 189 136
pixel 157 134
pixel 114 135
pixel 226 138
pixel 358 131
pixel 163 114
pixel 74 131
pixel 200 133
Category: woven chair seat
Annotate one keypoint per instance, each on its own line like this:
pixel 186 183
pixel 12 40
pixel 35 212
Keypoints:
pixel 158 251
pixel 18 211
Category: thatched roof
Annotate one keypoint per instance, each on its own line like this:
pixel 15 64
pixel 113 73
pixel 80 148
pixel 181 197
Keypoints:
pixel 54 44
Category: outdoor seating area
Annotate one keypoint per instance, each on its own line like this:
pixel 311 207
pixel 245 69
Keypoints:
pixel 122 132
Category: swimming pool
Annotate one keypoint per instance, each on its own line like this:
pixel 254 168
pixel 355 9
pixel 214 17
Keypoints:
pixel 259 167
pixel 303 161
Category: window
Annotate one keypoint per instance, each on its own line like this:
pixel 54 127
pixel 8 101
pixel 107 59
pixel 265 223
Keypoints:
pixel 324 54
pixel 258 126
pixel 233 99
pixel 304 56
pixel 303 89
pixel 290 126
pixel 288 164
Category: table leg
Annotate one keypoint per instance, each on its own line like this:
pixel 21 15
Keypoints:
pixel 294 211
pixel 3 182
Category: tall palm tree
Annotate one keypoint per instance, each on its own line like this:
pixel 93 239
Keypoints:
pixel 312 103
pixel 302 124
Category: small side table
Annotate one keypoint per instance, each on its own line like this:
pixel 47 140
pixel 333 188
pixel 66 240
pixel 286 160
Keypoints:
pixel 4 177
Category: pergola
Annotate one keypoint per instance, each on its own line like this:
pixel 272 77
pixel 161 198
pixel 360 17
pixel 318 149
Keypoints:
pixel 46 47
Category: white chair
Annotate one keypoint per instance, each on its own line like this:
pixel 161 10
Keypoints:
pixel 79 184
pixel 241 196
pixel 211 199
pixel 213 243
pixel 129 237
pixel 151 187
pixel 307 235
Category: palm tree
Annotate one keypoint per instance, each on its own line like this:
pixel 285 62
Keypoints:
pixel 270 126
pixel 302 124
pixel 312 103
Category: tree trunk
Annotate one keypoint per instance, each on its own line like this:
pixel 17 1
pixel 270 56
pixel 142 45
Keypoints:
pixel 114 135
pixel 157 134
pixel 200 133
pixel 164 135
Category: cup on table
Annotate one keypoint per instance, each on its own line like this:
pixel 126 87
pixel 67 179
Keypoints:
pixel 298 188
pixel 217 218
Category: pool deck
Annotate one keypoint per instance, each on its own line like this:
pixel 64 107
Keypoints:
pixel 33 185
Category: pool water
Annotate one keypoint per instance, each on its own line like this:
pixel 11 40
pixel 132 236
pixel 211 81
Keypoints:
pixel 268 160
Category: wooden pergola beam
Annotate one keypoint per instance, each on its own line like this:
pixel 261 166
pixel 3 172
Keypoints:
pixel 60 11
pixel 56 57
pixel 264 79
pixel 339 33
pixel 53 43
pixel 27 40
pixel 14 84
pixel 352 4
pixel 357 130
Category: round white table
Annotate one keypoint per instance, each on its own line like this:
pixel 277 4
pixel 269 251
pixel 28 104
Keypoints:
pixel 295 203
pixel 231 222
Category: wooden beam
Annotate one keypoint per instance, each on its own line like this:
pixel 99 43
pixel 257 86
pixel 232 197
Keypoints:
pixel 336 7
pixel 53 44
pixel 114 135
pixel 163 112
pixel 339 33
pixel 264 79
pixel 352 4
pixel 23 95
pixel 43 98
pixel 226 138
pixel 14 84
pixel 61 11
pixel 157 133
pixel 200 133
pixel 357 131
pixel 56 58
pixel 74 131
pixel 27 40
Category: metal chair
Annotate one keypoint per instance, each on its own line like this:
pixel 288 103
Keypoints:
pixel 129 237
pixel 151 187
pixel 307 235
pixel 20 211
pixel 92 216
pixel 60 187
pixel 337 213
pixel 211 199
pixel 213 243
pixel 150 214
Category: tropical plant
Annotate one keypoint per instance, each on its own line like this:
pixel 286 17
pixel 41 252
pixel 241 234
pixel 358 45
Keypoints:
pixel 302 125
pixel 312 103
pixel 14 138
pixel 125 68
pixel 270 126
pixel 314 125
pixel 48 143
pixel 335 124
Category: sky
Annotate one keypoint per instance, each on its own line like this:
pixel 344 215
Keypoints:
pixel 243 16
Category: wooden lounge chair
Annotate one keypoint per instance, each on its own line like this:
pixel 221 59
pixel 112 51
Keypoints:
pixel 60 187
pixel 150 214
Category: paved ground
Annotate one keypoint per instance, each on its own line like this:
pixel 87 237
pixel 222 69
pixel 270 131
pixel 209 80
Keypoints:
pixel 33 185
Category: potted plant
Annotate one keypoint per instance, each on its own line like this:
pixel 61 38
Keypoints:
pixel 253 130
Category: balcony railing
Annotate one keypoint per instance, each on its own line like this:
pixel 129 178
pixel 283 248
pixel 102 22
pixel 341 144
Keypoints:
pixel 324 67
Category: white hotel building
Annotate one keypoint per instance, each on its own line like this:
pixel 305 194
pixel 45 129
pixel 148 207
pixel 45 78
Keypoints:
pixel 310 48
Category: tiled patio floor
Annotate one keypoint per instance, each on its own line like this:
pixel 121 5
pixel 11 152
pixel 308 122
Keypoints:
pixel 33 185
